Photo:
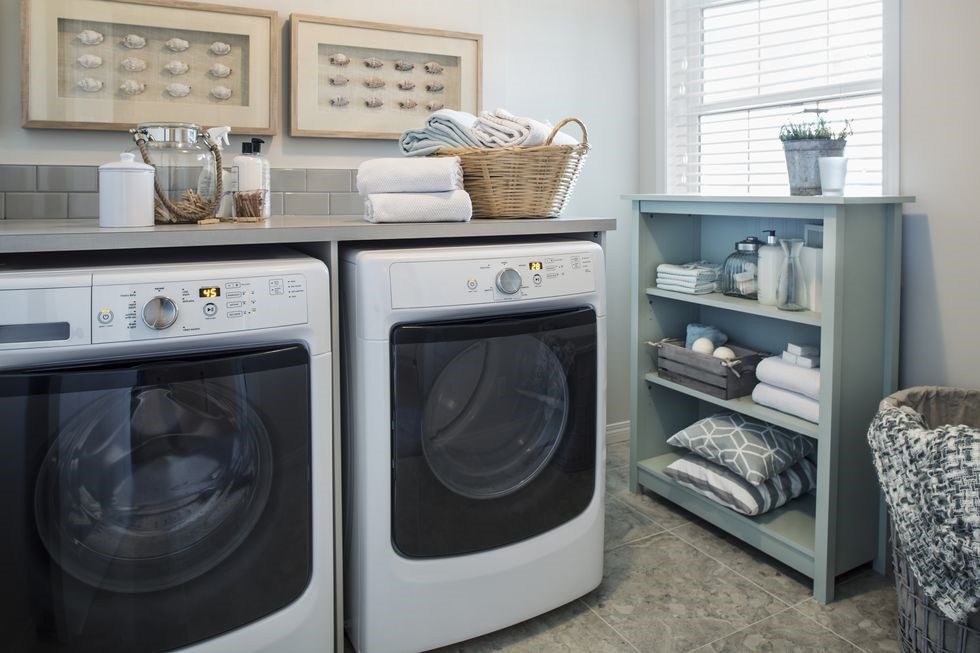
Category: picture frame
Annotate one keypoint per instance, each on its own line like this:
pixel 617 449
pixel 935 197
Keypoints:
pixel 357 79
pixel 110 64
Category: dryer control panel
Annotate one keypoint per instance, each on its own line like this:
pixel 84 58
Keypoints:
pixel 419 284
pixel 165 309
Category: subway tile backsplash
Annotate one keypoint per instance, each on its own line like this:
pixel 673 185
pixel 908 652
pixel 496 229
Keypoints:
pixel 58 192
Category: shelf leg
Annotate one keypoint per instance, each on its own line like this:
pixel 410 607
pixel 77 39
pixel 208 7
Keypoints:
pixel 823 589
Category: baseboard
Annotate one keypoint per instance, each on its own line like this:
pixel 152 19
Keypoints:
pixel 618 432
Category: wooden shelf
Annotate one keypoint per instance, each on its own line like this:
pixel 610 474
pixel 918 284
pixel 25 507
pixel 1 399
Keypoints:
pixel 718 300
pixel 786 533
pixel 745 406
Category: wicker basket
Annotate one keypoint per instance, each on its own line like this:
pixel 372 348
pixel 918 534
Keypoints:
pixel 522 182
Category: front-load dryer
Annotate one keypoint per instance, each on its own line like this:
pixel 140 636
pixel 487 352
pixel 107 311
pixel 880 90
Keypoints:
pixel 474 435
pixel 165 456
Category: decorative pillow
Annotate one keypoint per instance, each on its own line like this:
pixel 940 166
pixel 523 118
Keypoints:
pixel 732 491
pixel 754 450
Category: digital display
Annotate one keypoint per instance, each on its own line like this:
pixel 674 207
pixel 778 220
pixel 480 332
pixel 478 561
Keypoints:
pixel 210 292
pixel 536 265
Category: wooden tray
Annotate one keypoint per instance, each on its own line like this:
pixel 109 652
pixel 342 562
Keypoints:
pixel 708 374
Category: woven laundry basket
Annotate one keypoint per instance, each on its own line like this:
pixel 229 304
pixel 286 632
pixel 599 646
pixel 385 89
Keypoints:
pixel 522 182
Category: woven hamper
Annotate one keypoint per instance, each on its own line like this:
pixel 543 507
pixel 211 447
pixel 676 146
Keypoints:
pixel 522 182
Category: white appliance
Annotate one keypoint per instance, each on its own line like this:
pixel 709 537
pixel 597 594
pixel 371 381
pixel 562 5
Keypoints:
pixel 166 455
pixel 474 430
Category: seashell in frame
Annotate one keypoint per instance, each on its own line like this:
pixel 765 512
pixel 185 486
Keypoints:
pixel 373 62
pixel 434 68
pixel 89 61
pixel 373 102
pixel 178 90
pixel 219 70
pixel 177 45
pixel 220 92
pixel 132 87
pixel 338 80
pixel 407 104
pixel 339 101
pixel 220 48
pixel 90 37
pixel 434 87
pixel 406 85
pixel 176 67
pixel 339 59
pixel 133 64
pixel 134 41
pixel 90 84
pixel 434 106
pixel 374 82
pixel 404 66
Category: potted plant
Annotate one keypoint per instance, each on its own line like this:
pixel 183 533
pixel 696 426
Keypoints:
pixel 804 143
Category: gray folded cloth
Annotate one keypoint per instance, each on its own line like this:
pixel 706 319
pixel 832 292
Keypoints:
pixel 444 128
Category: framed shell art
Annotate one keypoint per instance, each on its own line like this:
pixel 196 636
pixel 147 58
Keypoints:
pixel 109 64
pixel 353 79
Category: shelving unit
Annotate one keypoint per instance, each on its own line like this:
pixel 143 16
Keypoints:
pixel 836 528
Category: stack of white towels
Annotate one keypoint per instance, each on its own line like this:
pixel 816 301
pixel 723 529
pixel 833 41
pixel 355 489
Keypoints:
pixel 448 128
pixel 414 190
pixel 695 278
pixel 791 382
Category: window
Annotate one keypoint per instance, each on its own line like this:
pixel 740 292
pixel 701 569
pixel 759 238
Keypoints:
pixel 739 69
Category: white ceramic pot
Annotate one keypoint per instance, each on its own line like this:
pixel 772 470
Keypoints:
pixel 126 193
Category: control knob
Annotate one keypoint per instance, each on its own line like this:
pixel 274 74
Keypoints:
pixel 159 313
pixel 508 281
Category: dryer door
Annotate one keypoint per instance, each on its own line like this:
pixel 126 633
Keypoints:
pixel 494 429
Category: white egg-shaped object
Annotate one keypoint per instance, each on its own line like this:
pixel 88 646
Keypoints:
pixel 703 346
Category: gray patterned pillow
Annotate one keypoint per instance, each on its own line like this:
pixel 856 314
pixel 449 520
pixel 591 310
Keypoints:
pixel 754 450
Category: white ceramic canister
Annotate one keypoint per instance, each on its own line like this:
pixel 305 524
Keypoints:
pixel 126 193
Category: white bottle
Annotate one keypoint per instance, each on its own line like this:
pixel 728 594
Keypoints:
pixel 770 262
pixel 219 135
pixel 254 174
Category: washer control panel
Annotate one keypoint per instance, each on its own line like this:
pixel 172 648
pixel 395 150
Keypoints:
pixel 122 312
pixel 459 282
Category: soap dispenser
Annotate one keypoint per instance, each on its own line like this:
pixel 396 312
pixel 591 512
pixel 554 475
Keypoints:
pixel 770 262
pixel 252 198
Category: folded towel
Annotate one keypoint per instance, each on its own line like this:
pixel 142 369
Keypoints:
pixel 689 282
pixel 444 128
pixel 501 128
pixel 426 175
pixel 775 371
pixel 452 206
pixel 786 401
pixel 699 289
pixel 714 334
pixel 700 270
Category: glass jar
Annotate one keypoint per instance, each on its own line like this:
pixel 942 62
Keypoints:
pixel 791 291
pixel 186 186
pixel 740 275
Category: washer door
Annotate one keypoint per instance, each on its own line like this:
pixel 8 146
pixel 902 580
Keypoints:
pixel 493 429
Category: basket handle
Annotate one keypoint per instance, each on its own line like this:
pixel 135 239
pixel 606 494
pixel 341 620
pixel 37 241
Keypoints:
pixel 554 132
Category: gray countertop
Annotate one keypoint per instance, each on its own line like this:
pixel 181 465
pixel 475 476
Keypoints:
pixel 78 235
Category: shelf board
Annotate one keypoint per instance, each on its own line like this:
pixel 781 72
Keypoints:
pixel 745 406
pixel 786 533
pixel 718 300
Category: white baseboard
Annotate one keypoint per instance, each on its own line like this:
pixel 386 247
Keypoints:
pixel 618 432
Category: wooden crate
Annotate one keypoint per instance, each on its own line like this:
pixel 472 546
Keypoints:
pixel 708 374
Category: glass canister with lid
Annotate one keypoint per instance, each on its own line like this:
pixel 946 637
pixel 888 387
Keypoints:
pixel 740 274
pixel 187 186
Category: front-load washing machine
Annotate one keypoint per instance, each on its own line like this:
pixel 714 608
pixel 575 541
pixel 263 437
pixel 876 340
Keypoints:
pixel 165 456
pixel 476 408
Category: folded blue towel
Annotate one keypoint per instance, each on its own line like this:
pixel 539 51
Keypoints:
pixel 714 334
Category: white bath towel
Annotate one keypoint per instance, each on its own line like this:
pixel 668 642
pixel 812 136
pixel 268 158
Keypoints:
pixel 682 281
pixel 699 289
pixel 775 371
pixel 700 270
pixel 501 128
pixel 444 128
pixel 423 175
pixel 452 206
pixel 787 402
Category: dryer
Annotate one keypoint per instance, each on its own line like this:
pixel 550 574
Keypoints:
pixel 165 458
pixel 474 436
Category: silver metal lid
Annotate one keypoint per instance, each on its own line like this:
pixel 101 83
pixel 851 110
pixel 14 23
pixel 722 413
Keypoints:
pixel 170 132
pixel 750 244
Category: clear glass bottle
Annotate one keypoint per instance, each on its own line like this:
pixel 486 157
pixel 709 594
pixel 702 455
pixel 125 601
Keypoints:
pixel 739 277
pixel 791 291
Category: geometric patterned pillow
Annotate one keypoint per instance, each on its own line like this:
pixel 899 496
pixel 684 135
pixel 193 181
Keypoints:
pixel 754 450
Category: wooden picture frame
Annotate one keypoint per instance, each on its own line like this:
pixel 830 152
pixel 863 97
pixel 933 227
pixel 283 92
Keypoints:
pixel 356 79
pixel 187 62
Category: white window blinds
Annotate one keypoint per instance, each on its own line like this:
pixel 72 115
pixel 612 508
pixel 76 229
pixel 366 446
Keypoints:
pixel 739 69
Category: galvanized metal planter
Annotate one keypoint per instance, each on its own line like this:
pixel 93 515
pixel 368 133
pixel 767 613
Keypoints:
pixel 801 162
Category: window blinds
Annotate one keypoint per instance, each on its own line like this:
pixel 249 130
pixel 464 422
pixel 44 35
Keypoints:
pixel 739 69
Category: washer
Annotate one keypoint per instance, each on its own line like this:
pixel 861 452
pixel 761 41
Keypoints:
pixel 474 431
pixel 166 456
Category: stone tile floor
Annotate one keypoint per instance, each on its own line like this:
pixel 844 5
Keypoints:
pixel 673 583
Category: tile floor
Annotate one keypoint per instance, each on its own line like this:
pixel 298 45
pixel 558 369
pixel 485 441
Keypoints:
pixel 673 583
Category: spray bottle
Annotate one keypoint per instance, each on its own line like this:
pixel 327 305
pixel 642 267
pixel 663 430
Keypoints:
pixel 206 184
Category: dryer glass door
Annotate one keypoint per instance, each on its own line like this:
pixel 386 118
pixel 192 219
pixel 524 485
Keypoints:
pixel 494 429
